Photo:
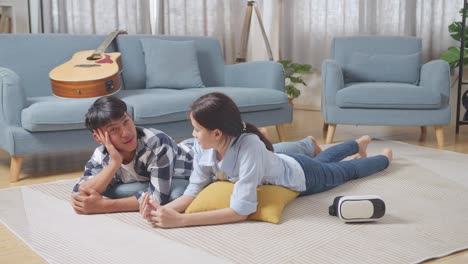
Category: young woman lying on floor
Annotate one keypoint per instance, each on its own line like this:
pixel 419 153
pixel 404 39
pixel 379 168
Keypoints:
pixel 228 148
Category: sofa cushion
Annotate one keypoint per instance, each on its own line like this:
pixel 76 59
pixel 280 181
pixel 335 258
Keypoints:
pixel 154 106
pixel 147 106
pixel 399 68
pixel 171 64
pixel 387 95
pixel 50 113
pixel 249 99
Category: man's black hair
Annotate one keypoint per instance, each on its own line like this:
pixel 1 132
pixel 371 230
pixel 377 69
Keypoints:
pixel 103 111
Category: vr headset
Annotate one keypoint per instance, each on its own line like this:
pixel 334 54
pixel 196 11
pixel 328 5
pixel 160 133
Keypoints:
pixel 358 208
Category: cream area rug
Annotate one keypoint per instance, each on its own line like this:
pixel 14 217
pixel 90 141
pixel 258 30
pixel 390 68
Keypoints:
pixel 425 191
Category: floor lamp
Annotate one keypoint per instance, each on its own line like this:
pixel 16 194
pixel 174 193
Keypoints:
pixel 246 31
pixel 244 41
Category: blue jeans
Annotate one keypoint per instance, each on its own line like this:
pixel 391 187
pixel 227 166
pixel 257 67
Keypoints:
pixel 304 146
pixel 327 171
pixel 128 189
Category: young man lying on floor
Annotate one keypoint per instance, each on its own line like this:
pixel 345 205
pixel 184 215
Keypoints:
pixel 129 157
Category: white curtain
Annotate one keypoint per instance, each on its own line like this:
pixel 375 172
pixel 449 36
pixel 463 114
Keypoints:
pixel 217 18
pixel 308 26
pixel 96 16
pixel 300 30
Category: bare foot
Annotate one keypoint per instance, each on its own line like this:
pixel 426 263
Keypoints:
pixel 387 152
pixel 362 142
pixel 317 148
pixel 264 131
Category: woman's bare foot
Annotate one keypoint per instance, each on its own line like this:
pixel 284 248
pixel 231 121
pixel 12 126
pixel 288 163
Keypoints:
pixel 362 142
pixel 387 152
pixel 317 148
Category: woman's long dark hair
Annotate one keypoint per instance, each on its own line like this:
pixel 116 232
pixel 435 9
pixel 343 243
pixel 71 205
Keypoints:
pixel 218 111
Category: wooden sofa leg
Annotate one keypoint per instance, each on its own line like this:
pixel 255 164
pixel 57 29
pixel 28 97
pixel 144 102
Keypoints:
pixel 15 168
pixel 423 131
pixel 330 133
pixel 280 131
pixel 439 135
pixel 325 128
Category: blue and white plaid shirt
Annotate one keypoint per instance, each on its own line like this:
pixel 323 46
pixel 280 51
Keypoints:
pixel 158 159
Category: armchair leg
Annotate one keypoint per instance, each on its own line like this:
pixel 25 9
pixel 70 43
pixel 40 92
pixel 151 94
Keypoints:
pixel 439 135
pixel 330 133
pixel 15 168
pixel 423 131
pixel 325 128
pixel 281 133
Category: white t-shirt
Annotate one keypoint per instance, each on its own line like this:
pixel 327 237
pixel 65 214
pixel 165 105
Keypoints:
pixel 129 174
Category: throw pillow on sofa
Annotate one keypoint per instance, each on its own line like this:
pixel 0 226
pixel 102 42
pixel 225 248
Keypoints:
pixel 401 68
pixel 171 64
pixel 271 200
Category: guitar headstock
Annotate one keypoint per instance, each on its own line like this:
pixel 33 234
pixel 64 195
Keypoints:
pixel 121 32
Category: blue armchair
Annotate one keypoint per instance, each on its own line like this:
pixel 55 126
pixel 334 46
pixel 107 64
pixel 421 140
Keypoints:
pixel 379 80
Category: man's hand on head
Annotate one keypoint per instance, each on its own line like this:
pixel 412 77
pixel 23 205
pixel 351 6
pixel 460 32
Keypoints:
pixel 103 137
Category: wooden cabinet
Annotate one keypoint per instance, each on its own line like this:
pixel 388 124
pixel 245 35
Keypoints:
pixel 7 19
pixel 18 10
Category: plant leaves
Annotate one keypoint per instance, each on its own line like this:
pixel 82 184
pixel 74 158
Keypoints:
pixel 455 30
pixel 292 91
pixel 452 56
pixel 296 79
pixel 292 74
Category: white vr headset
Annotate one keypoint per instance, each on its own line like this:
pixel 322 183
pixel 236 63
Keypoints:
pixel 358 208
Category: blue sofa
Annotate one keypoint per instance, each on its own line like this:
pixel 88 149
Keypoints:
pixel 33 120
pixel 380 80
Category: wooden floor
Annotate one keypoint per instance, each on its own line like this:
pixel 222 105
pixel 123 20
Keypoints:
pixel 60 166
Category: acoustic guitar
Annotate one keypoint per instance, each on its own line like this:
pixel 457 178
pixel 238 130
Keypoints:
pixel 89 73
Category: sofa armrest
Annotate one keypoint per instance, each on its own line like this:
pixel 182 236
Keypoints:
pixel 258 74
pixel 332 80
pixel 12 97
pixel 435 75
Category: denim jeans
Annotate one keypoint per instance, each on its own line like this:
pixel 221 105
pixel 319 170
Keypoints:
pixel 128 189
pixel 327 171
pixel 304 146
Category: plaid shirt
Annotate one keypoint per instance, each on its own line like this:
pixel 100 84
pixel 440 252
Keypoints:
pixel 158 159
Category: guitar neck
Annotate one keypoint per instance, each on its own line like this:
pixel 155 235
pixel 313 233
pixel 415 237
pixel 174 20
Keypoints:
pixel 107 41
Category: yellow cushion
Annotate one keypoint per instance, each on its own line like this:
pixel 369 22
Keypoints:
pixel 271 200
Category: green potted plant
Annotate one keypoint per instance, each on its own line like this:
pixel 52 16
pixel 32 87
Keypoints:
pixel 293 73
pixel 452 55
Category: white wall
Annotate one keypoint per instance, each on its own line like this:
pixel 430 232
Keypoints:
pixel 21 14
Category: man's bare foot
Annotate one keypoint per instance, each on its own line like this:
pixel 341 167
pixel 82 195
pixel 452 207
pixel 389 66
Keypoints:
pixel 264 131
pixel 317 148
pixel 362 142
pixel 387 152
